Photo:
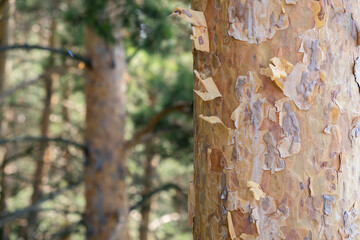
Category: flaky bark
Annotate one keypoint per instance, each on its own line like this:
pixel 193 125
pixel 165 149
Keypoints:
pixel 276 156
pixel 106 208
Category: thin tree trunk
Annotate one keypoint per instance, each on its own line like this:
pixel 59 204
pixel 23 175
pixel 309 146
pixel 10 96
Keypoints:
pixel 4 229
pixel 42 164
pixel 106 211
pixel 65 91
pixel 6 11
pixel 147 182
pixel 277 155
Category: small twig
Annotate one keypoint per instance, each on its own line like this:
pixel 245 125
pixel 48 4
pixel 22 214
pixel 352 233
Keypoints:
pixel 183 107
pixel 129 58
pixel 42 139
pixel 165 187
pixel 19 155
pixel 61 51
pixel 9 217
pixel 21 85
pixel 74 227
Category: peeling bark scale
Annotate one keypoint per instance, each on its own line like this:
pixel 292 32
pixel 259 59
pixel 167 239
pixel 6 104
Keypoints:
pixel 276 121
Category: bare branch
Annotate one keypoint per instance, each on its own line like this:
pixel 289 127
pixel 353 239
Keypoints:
pixel 9 217
pixel 61 51
pixel 164 219
pixel 42 139
pixel 129 58
pixel 12 158
pixel 73 227
pixel 165 187
pixel 21 85
pixel 183 107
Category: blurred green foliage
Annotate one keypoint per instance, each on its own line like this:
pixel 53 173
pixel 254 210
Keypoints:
pixel 159 76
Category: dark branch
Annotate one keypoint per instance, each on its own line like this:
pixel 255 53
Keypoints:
pixel 73 227
pixel 9 217
pixel 129 58
pixel 42 139
pixel 12 158
pixel 61 51
pixel 21 85
pixel 165 187
pixel 137 138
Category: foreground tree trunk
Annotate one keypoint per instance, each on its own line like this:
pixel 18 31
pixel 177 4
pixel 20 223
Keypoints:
pixel 277 155
pixel 106 209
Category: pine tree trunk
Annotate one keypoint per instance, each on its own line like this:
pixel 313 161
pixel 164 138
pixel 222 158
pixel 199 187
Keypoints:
pixel 43 161
pixel 277 155
pixel 107 208
pixel 3 195
pixel 4 13
pixel 147 182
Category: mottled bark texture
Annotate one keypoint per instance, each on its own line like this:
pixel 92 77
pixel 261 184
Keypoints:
pixel 277 155
pixel 106 208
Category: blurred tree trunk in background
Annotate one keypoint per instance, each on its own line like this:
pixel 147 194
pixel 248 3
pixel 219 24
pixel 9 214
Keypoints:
pixel 65 93
pixel 43 161
pixel 6 11
pixel 277 156
pixel 106 211
pixel 147 183
pixel 4 17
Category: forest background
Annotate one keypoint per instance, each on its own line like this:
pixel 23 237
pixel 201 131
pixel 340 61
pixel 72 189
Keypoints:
pixel 44 69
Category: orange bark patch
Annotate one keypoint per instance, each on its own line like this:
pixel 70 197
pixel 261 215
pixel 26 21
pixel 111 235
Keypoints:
pixel 243 223
pixel 191 204
pixel 217 160
pixel 319 14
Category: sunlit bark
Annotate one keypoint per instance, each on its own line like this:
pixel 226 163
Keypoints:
pixel 277 155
